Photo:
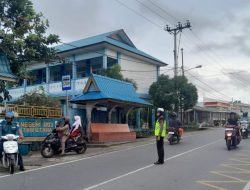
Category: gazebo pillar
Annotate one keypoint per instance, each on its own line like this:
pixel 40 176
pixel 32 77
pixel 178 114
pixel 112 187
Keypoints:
pixel 89 108
pixel 153 118
pixel 138 118
pixel 110 113
pixel 127 112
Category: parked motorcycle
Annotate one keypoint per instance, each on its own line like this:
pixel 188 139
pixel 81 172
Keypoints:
pixel 10 152
pixel 51 145
pixel 244 128
pixel 173 136
pixel 232 136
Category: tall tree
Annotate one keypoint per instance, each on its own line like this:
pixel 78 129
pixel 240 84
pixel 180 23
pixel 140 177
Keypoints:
pixel 23 35
pixel 172 93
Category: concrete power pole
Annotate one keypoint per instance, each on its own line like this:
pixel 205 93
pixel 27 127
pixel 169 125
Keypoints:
pixel 182 63
pixel 176 31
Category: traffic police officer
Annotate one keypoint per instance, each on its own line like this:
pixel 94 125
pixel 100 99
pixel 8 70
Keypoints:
pixel 160 133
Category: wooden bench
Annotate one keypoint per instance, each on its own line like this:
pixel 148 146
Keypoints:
pixel 107 132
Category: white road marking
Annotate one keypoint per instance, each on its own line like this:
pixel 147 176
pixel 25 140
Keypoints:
pixel 247 187
pixel 85 158
pixel 148 166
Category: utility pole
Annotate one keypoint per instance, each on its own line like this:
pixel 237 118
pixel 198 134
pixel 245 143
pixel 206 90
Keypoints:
pixel 182 63
pixel 176 31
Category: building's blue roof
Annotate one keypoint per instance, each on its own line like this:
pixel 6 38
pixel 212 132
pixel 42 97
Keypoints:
pixel 109 88
pixel 105 38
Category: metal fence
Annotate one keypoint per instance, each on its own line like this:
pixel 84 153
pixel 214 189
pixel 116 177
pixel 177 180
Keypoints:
pixel 32 111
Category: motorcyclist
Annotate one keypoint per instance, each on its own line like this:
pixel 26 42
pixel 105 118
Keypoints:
pixel 175 123
pixel 233 120
pixel 7 126
pixel 76 127
pixel 63 133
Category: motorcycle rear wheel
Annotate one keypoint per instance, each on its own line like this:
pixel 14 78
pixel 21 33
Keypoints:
pixel 171 141
pixel 82 149
pixel 228 142
pixel 47 152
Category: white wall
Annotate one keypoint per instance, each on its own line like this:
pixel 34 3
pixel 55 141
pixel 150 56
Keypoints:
pixel 143 79
pixel 111 53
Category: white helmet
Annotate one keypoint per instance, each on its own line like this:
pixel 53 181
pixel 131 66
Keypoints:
pixel 160 110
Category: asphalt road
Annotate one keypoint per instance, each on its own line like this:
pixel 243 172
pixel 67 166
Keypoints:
pixel 200 162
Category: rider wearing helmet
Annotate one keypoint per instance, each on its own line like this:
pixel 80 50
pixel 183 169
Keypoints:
pixel 160 133
pixel 232 120
pixel 8 127
pixel 175 123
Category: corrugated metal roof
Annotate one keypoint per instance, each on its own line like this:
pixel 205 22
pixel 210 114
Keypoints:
pixel 105 38
pixel 111 89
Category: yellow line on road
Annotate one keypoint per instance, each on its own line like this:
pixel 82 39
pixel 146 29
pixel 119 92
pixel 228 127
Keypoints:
pixel 210 185
pixel 225 181
pixel 242 158
pixel 244 155
pixel 242 164
pixel 245 151
pixel 234 172
pixel 245 162
pixel 227 176
pixel 234 167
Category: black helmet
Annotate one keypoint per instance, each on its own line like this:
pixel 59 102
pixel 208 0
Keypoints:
pixel 174 114
pixel 232 113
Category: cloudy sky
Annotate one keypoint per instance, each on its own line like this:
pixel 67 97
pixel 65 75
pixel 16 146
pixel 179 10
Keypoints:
pixel 219 39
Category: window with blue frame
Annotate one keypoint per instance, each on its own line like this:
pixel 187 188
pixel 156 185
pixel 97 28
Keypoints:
pixel 56 72
pixel 85 67
pixel 38 76
pixel 81 68
pixel 96 64
pixel 111 62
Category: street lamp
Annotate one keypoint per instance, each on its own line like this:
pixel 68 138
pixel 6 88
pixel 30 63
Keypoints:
pixel 197 67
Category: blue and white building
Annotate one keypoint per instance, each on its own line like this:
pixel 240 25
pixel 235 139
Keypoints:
pixel 87 56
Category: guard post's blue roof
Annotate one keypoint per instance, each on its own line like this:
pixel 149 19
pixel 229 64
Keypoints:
pixel 104 88
pixel 116 38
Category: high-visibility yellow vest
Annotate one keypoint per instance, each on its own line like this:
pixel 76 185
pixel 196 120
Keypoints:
pixel 157 128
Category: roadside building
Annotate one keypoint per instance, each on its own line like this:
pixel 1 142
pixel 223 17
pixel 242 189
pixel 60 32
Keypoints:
pixel 210 112
pixel 88 56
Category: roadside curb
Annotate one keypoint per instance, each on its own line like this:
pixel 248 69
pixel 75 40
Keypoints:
pixel 110 144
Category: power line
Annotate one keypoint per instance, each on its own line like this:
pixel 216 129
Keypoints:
pixel 197 37
pixel 160 26
pixel 157 13
pixel 226 74
pixel 171 69
pixel 163 11
pixel 198 79
pixel 157 25
pixel 175 31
